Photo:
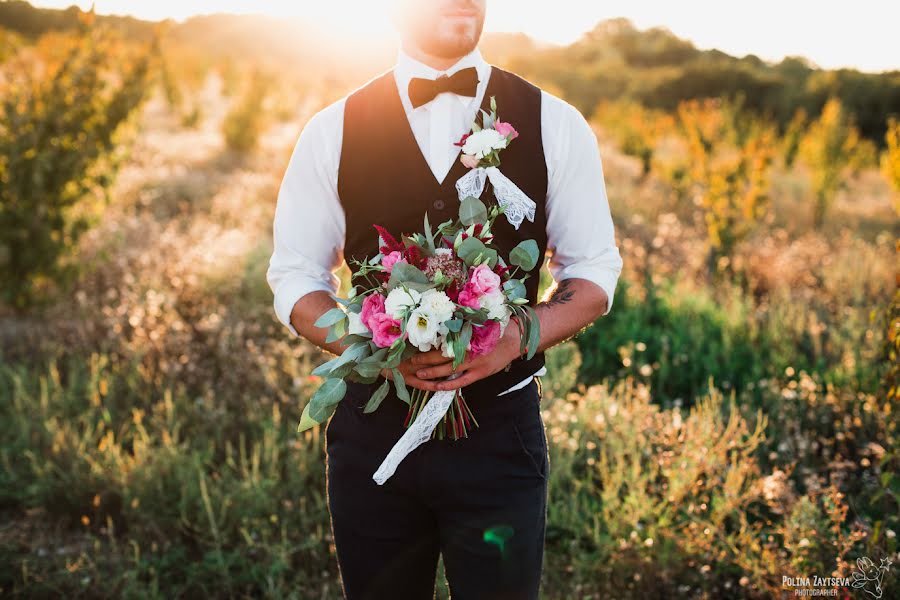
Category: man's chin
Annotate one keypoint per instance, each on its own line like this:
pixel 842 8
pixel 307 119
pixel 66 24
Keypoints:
pixel 450 47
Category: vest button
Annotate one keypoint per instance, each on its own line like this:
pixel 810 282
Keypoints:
pixel 439 204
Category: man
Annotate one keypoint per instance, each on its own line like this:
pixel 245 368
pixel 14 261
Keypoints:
pixel 385 155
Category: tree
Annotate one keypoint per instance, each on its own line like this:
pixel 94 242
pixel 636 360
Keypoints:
pixel 731 154
pixel 890 160
pixel 831 150
pixel 57 131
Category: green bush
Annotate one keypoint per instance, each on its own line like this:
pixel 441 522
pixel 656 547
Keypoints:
pixel 674 341
pixel 244 123
pixel 56 140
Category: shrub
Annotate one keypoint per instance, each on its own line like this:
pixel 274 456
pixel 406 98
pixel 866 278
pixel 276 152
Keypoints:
pixel 56 138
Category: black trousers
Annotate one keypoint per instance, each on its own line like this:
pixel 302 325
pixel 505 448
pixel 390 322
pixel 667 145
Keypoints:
pixel 480 501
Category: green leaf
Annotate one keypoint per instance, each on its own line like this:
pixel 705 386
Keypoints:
pixel 405 273
pixel 400 384
pixel 534 332
pixel 351 353
pixel 525 255
pixel 429 237
pixel 454 325
pixel 493 104
pixel 339 300
pixel 321 412
pixel 306 421
pixel 330 392
pixel 472 210
pixel 469 249
pixel 368 370
pixel 514 288
pixel 326 397
pixel 377 397
pixel 337 331
pixel 461 343
pixel 330 317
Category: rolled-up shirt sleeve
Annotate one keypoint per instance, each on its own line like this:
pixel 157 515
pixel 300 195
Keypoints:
pixel 309 225
pixel 580 230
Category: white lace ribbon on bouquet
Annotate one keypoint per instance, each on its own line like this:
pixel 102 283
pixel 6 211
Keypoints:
pixel 516 204
pixel 417 433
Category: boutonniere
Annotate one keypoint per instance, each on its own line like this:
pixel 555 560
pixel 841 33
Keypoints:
pixel 481 149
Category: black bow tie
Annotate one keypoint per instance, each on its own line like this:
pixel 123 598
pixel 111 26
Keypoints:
pixel 463 82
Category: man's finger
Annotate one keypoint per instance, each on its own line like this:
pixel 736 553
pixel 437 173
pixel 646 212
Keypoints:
pixel 432 357
pixel 471 376
pixel 443 370
pixel 422 384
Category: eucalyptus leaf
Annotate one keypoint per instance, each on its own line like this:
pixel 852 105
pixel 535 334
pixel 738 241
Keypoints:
pixel 377 397
pixel 321 412
pixel 514 288
pixel 337 331
pixel 525 255
pixel 330 317
pixel 469 249
pixel 306 421
pixel 429 237
pixel 400 385
pixel 461 343
pixel 534 332
pixel 472 210
pixel 368 370
pixel 339 300
pixel 405 273
pixel 454 325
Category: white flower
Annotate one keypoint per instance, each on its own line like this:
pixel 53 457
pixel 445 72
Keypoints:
pixel 481 143
pixel 439 251
pixel 437 304
pixel 355 324
pixel 495 302
pixel 445 346
pixel 398 300
pixel 422 329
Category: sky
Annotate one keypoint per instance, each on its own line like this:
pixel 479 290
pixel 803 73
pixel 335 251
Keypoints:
pixel 860 34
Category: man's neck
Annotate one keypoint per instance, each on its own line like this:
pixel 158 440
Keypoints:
pixel 438 63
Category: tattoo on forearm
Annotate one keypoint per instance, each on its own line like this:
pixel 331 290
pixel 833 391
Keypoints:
pixel 563 293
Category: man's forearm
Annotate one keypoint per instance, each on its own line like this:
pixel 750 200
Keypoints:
pixel 574 304
pixel 307 311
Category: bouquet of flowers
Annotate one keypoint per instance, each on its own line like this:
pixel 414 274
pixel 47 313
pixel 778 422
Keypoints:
pixel 448 289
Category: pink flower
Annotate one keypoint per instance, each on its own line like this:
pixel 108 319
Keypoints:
pixel 385 330
pixel 470 297
pixel 484 338
pixel 505 129
pixel 372 305
pixel 469 161
pixel 484 280
pixel 389 260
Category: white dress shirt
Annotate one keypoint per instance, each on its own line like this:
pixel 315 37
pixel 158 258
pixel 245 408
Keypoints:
pixel 309 226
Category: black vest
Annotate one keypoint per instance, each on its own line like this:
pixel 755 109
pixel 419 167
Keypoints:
pixel 384 179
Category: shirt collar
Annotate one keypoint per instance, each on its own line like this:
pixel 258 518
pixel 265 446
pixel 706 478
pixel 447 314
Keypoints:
pixel 407 67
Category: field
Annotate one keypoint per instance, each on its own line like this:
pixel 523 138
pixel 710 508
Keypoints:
pixel 731 422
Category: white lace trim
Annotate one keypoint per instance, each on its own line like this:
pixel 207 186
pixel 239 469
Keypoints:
pixel 417 433
pixel 517 206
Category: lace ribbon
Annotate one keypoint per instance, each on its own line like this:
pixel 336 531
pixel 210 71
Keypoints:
pixel 417 433
pixel 516 204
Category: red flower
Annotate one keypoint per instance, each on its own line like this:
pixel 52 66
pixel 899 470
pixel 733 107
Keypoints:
pixel 391 244
pixel 413 256
pixel 453 291
pixel 462 140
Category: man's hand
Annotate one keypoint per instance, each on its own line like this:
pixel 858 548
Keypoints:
pixel 472 368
